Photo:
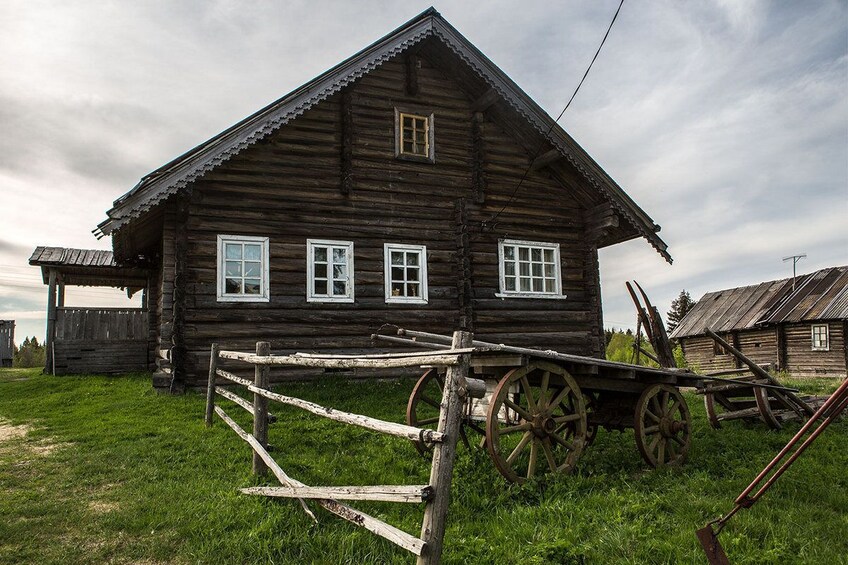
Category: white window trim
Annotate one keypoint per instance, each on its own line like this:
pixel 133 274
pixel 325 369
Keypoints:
pixel 556 295
pixel 826 337
pixel 264 281
pixel 431 136
pixel 310 271
pixel 422 269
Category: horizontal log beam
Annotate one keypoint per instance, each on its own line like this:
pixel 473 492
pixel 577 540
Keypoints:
pixel 380 493
pixel 235 378
pixel 373 525
pixel 293 360
pixel 391 428
pixel 545 159
pixel 383 355
pixel 242 402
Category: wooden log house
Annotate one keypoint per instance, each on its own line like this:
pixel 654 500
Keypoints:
pixel 795 326
pixel 413 183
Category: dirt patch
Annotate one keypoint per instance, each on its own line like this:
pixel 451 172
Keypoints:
pixel 8 432
pixel 102 506
pixel 11 436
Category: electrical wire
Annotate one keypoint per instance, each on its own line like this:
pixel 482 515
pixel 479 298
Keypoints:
pixel 544 138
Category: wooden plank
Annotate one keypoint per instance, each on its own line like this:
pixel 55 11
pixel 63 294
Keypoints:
pixel 391 428
pixel 444 454
pixel 384 355
pixel 417 361
pixel 237 399
pixel 381 493
pixel 235 378
pixel 387 531
pixel 260 407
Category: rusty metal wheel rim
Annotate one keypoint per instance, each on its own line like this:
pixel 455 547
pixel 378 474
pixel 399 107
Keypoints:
pixel 422 409
pixel 663 426
pixel 546 431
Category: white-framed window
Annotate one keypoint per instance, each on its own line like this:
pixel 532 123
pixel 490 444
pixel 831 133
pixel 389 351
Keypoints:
pixel 329 271
pixel 243 269
pixel 821 341
pixel 405 273
pixel 529 269
pixel 414 135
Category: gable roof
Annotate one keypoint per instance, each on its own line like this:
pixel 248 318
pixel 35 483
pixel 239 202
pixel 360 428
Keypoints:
pixel 822 295
pixel 167 180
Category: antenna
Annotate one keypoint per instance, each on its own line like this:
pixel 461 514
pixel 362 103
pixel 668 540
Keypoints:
pixel 795 259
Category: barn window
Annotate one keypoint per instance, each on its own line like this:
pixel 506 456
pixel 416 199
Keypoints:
pixel 529 269
pixel 820 338
pixel 414 136
pixel 405 273
pixel 330 271
pixel 242 268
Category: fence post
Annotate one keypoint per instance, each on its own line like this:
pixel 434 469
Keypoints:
pixel 444 454
pixel 210 388
pixel 260 408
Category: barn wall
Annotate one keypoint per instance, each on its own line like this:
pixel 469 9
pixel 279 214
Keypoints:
pixel 289 188
pixel 802 361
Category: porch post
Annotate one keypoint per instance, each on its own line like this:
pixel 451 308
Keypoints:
pixel 51 321
pixel 61 296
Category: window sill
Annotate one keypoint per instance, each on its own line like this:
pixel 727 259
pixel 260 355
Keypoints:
pixel 820 349
pixel 226 298
pixel 530 295
pixel 342 300
pixel 415 158
pixel 418 301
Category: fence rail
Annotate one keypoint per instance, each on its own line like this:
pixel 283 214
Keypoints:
pixel 435 495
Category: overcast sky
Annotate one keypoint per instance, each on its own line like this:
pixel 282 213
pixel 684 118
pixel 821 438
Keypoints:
pixel 726 121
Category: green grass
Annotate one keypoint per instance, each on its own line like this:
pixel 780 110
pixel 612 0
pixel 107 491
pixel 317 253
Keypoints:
pixel 111 472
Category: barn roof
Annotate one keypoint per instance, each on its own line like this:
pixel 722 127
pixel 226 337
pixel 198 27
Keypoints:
pixel 165 181
pixel 822 295
pixel 87 267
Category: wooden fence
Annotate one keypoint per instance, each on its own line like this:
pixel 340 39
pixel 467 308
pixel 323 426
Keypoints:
pixel 100 340
pixel 435 495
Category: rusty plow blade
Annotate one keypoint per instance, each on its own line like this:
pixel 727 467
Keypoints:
pixel 712 547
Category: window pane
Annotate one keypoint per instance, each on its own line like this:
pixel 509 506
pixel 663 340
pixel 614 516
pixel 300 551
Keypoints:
pixel 232 286
pixel 233 250
pixel 397 273
pixel 509 268
pixel 509 253
pixel 537 269
pixel 549 255
pixel 397 257
pixel 419 137
pixel 549 270
pixel 510 284
pixel 321 254
pixel 320 287
pixel 524 269
pixel 407 147
pixel 550 285
pixel 412 289
pixel 252 252
pixel 233 269
pixel 321 270
pixel 339 271
pixel 339 288
pixel 525 284
pixel 412 274
pixel 339 255
pixel 524 253
pixel 251 286
pixel 412 258
pixel 537 285
pixel 397 289
pixel 407 121
pixel 537 254
pixel 252 269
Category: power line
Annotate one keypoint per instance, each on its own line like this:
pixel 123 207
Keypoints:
pixel 570 100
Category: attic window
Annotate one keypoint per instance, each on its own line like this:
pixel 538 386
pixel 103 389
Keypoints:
pixel 414 136
pixel 820 338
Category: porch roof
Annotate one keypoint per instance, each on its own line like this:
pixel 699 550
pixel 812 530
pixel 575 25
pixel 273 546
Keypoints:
pixel 87 267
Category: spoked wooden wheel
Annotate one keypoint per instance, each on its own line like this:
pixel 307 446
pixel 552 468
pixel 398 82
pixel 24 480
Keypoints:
pixel 761 395
pixel 663 426
pixel 536 422
pixel 713 409
pixel 422 410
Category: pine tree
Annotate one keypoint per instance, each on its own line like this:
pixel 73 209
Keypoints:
pixel 680 306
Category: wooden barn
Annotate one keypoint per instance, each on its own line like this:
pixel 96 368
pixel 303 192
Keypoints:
pixel 800 330
pixel 414 183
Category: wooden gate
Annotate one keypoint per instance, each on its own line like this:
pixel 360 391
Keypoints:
pixel 100 340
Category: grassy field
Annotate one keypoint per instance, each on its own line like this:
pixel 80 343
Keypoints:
pixel 103 470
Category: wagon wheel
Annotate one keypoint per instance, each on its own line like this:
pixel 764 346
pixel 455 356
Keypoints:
pixel 663 426
pixel 422 409
pixel 710 405
pixel 536 422
pixel 761 395
pixel 591 429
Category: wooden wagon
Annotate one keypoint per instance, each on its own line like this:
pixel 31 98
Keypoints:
pixel 541 409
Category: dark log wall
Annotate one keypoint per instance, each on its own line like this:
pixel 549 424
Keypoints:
pixel 786 348
pixel 301 183
pixel 802 361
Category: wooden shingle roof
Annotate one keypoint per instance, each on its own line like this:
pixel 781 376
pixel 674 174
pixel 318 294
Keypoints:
pixel 822 295
pixel 159 185
pixel 87 267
